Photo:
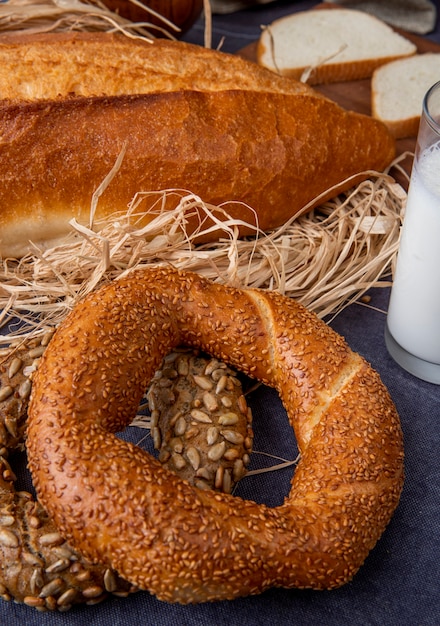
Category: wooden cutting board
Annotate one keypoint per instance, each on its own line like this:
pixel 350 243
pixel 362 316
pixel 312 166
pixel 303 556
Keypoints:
pixel 356 95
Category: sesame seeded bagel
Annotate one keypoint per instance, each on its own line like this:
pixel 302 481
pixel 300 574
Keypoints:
pixel 37 566
pixel 120 507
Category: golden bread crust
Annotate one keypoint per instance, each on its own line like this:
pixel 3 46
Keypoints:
pixel 42 66
pixel 71 101
pixel 274 152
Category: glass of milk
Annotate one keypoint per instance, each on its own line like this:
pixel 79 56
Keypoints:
pixel 413 323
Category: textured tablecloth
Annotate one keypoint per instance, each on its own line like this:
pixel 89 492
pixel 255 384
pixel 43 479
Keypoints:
pixel 399 585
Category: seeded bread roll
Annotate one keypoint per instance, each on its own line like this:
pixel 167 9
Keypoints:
pixel 37 566
pixel 16 365
pixel 201 423
pixel 116 503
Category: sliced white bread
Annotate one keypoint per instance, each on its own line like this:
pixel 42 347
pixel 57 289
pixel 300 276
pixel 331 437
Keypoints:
pixel 398 89
pixel 330 45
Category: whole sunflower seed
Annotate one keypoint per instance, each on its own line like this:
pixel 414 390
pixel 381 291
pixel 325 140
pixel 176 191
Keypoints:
pixel 216 451
pixel 201 416
pixel 52 588
pixel 6 392
pixel 37 580
pixel 232 436
pixel 193 456
pixel 67 598
pixel 58 566
pixel 228 419
pixel 9 538
pixel 211 435
pixel 14 366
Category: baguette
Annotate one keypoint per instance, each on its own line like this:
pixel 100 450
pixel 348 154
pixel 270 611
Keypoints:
pixel 331 45
pixel 274 152
pixel 214 124
pixel 41 66
pixel 398 89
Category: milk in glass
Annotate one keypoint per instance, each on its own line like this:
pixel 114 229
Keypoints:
pixel 414 311
pixel 413 323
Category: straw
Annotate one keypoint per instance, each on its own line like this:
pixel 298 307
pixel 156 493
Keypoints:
pixel 326 258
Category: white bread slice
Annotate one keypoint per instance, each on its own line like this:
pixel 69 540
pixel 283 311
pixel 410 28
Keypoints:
pixel 398 89
pixel 334 44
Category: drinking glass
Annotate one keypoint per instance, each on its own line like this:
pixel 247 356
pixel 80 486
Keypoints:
pixel 412 332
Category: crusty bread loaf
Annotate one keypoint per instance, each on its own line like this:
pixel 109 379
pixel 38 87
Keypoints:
pixel 335 45
pixel 216 125
pixel 41 66
pixel 275 152
pixel 398 89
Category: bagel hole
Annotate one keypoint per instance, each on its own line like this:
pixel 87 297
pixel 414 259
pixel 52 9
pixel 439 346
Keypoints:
pixel 274 445
pixel 274 451
pixel 17 459
pixel 268 478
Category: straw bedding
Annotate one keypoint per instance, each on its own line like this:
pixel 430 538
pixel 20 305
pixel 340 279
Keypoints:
pixel 325 259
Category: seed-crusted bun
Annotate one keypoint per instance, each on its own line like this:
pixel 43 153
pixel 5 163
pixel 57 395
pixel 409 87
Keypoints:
pixel 17 363
pixel 216 125
pixel 118 505
pixel 37 566
pixel 200 420
pixel 334 45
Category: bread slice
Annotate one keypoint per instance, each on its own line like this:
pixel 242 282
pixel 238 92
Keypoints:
pixel 398 89
pixel 330 45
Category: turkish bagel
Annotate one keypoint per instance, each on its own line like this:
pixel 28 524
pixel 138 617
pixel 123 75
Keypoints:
pixel 118 505
pixel 37 566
